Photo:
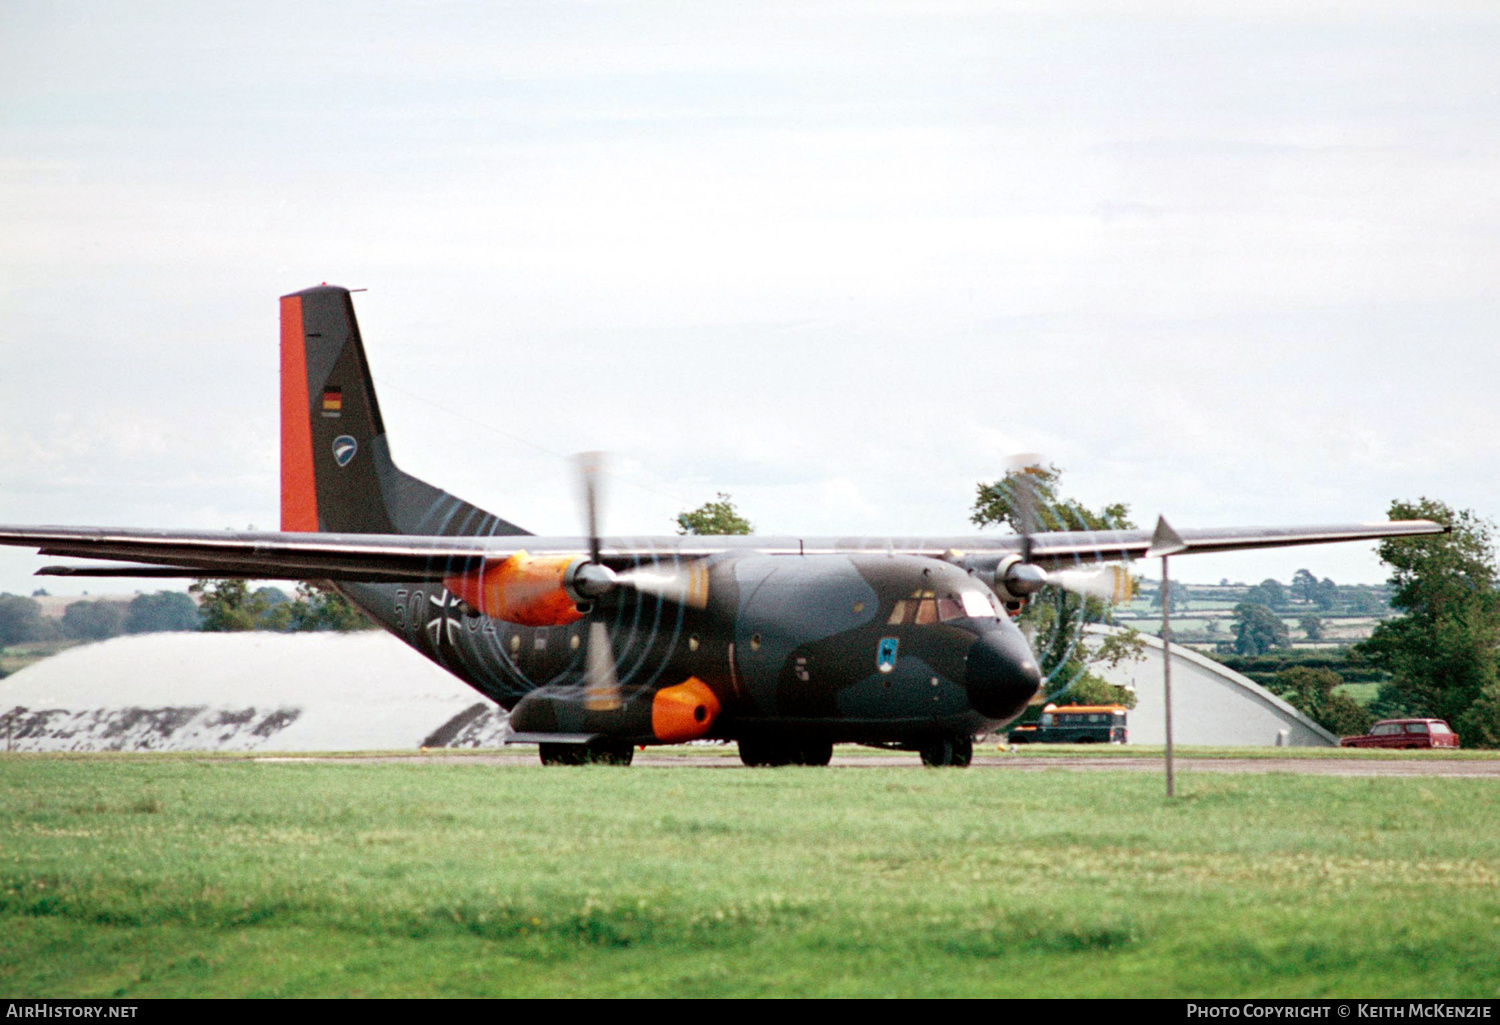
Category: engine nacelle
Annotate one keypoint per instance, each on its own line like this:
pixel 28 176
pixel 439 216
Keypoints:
pixel 525 589
pixel 1015 580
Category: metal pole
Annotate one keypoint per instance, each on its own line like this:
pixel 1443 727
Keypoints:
pixel 1166 663
pixel 1164 542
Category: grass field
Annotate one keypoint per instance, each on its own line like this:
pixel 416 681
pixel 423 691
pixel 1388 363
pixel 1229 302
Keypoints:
pixel 187 876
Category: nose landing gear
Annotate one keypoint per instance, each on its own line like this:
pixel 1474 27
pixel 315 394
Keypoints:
pixel 957 752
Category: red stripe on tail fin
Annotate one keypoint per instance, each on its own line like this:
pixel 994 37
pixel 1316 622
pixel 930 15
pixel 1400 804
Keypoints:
pixel 299 493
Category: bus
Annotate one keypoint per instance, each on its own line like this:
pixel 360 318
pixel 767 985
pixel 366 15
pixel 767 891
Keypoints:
pixel 1074 724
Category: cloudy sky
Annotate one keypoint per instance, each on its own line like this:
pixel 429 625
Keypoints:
pixel 1234 263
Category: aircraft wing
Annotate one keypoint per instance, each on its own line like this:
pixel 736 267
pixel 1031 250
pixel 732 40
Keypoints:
pixel 399 557
pixel 1066 548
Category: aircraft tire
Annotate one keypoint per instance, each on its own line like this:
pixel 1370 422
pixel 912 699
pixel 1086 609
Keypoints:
pixel 598 753
pixel 561 754
pixel 941 752
pixel 611 753
pixel 814 752
pixel 758 752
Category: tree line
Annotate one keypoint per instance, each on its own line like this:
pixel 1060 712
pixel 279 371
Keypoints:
pixel 1439 657
pixel 221 605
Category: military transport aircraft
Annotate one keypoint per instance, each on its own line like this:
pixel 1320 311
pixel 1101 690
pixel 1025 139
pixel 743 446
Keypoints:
pixel 597 645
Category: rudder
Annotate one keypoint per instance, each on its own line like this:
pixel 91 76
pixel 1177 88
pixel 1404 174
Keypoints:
pixel 336 470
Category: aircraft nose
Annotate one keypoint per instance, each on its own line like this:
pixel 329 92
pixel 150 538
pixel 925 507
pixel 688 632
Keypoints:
pixel 1002 674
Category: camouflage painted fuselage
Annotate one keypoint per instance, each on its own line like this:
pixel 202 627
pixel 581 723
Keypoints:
pixel 789 645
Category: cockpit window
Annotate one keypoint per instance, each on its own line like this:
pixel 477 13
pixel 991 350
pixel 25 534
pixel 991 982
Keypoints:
pixel 919 608
pixel 925 606
pixel 979 605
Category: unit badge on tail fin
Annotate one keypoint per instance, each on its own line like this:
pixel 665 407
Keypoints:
pixel 344 448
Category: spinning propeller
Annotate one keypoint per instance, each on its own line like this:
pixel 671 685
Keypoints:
pixel 684 583
pixel 1016 577
pixel 593 579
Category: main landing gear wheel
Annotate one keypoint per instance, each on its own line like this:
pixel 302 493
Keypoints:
pixel 759 751
pixel 756 752
pixel 614 753
pixel 957 752
pixel 815 752
pixel 596 753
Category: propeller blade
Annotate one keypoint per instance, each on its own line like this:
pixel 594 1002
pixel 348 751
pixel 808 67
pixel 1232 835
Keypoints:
pixel 590 466
pixel 1107 583
pixel 601 687
pixel 1021 469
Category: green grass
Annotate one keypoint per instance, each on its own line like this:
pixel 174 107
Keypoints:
pixel 144 876
pixel 18 656
pixel 1361 693
pixel 1157 751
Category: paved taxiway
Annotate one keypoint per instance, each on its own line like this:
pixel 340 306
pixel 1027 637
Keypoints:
pixel 720 758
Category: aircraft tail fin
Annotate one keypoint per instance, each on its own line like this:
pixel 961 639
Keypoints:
pixel 336 470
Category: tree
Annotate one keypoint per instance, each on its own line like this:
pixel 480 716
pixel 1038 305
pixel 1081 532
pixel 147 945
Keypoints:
pixel 21 621
pixel 1118 648
pixel 1071 667
pixel 162 612
pixel 329 610
pixel 93 620
pixel 1326 593
pixel 227 605
pixel 1312 626
pixel 1268 592
pixel 1305 586
pixel 1177 594
pixel 1313 693
pixel 1257 629
pixel 1089 689
pixel 714 518
pixel 1000 502
pixel 1443 652
pixel 314 610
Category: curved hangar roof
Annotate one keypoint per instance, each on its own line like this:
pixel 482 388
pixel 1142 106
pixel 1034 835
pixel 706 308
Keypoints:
pixel 243 691
pixel 1211 704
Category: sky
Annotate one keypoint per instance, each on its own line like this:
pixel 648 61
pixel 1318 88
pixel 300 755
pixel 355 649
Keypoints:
pixel 1234 264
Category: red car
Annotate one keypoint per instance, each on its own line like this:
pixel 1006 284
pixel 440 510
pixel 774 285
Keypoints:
pixel 1405 733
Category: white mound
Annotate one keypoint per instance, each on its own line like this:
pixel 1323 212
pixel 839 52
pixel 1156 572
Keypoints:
pixel 242 691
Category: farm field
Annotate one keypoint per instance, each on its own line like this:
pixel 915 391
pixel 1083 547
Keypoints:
pixel 139 876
